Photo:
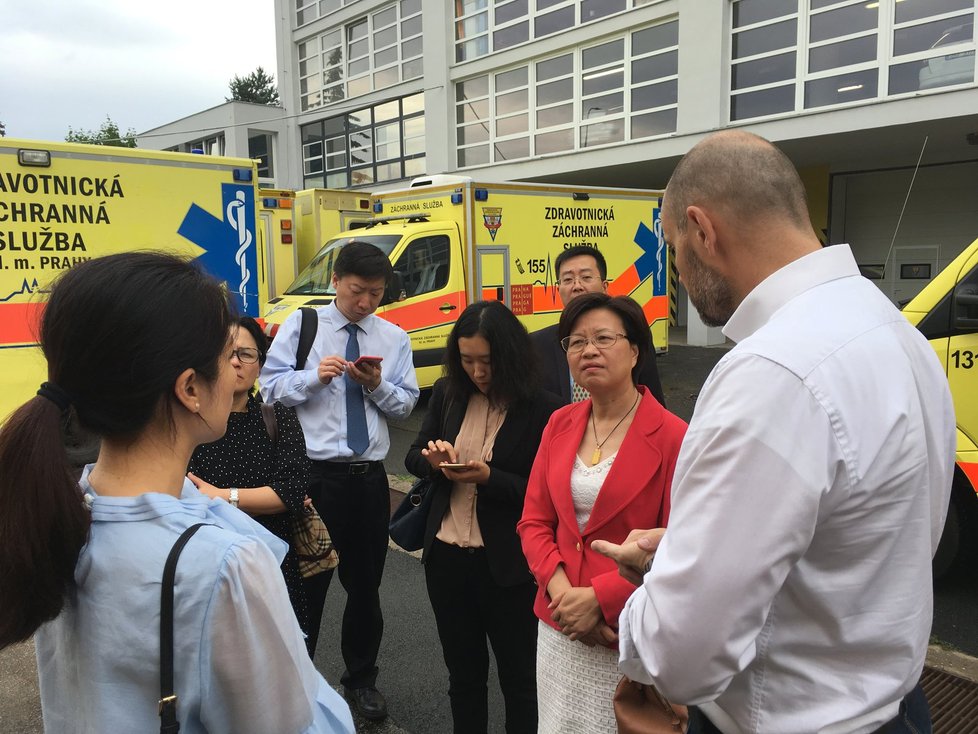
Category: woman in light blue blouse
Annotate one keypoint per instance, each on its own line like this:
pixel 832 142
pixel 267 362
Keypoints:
pixel 138 348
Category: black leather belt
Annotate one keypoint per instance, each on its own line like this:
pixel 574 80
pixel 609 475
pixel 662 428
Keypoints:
pixel 350 467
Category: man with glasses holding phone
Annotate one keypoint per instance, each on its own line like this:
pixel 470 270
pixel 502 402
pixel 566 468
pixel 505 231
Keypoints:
pixel 580 269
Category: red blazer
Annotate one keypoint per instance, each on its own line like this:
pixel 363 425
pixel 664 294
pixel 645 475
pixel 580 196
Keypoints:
pixel 635 494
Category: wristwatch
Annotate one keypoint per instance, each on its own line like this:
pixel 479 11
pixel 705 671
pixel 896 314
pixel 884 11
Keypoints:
pixel 233 497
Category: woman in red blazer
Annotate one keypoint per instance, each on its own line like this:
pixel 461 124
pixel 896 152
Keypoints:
pixel 604 464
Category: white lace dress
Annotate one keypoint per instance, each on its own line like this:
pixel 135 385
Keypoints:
pixel 575 683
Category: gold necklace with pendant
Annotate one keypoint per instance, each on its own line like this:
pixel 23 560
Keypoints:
pixel 596 456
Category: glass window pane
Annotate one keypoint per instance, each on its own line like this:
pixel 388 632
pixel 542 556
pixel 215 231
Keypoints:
pixel 510 11
pixel 544 4
pixel 338 180
pixel 414 103
pixel 334 94
pixel 469 134
pixel 389 133
pixel 511 79
pixel 602 133
pixel 357 87
pixel 355 68
pixel 558 20
pixel 386 111
pixel 313 165
pixel 555 67
pixel 313 182
pixel 767 38
pixel 333 162
pixel 477 156
pixel 747 12
pixel 412 48
pixel 557 91
pixel 472 49
pixel 513 125
pixel 763 71
pixel 386 17
pixel 941 71
pixel 509 150
pixel 328 6
pixel 411 27
pixel 655 38
pixel 471 26
pixel 839 89
pixel 844 53
pixel 472 88
pixel 554 142
pixel 387 77
pixel 843 21
pixel 356 30
pixel 311 134
pixel 412 69
pixel 602 81
pixel 385 57
pixel 609 104
pixel 654 123
pixel 939 33
pixel 414 167
pixel 917 9
pixel 558 115
pixel 358 119
pixel 606 53
pixel 389 171
pixel 362 177
pixel 331 40
pixel 385 38
pixel 655 95
pixel 511 35
pixel 334 146
pixel 410 7
pixel 472 111
pixel 594 9
pixel 359 49
pixel 414 145
pixel 334 126
pixel 655 67
pixel 464 7
pixel 764 102
pixel 511 102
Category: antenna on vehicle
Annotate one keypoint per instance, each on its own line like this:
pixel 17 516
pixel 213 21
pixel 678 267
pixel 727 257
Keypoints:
pixel 913 178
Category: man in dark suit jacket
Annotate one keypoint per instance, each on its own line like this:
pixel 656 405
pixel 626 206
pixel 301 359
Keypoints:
pixel 580 269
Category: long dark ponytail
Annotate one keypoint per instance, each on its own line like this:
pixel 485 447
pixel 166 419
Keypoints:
pixel 116 332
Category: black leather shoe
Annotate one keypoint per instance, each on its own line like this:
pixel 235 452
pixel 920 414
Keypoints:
pixel 369 701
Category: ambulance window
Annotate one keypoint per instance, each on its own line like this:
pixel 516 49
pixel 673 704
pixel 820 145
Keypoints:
pixel 424 265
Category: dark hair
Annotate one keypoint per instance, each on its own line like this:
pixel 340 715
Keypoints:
pixel 577 251
pixel 261 341
pixel 363 260
pixel 512 357
pixel 631 315
pixel 117 332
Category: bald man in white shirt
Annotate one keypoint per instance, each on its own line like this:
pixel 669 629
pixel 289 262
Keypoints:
pixel 792 589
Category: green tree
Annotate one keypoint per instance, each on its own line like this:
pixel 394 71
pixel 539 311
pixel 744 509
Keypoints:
pixel 3 130
pixel 108 134
pixel 258 87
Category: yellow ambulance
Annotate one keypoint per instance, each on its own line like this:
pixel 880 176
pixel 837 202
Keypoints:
pixel 62 203
pixel 453 241
pixel 946 312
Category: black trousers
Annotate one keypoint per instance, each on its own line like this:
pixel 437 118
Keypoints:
pixel 315 588
pixel 470 607
pixel 356 509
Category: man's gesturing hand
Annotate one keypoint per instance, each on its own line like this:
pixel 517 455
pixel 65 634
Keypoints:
pixel 634 556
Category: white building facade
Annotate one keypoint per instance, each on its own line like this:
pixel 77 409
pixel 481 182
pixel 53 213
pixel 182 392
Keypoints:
pixel 874 101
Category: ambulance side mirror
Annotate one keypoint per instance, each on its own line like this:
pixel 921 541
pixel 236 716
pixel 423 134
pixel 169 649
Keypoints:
pixel 395 293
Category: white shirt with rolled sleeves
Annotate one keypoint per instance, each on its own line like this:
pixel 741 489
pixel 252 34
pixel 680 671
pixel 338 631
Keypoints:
pixel 322 408
pixel 792 590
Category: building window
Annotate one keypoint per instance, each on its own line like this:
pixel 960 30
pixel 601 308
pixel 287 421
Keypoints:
pixel 370 53
pixel 208 146
pixel 619 90
pixel 260 147
pixel 384 142
pixel 480 30
pixel 306 11
pixel 792 55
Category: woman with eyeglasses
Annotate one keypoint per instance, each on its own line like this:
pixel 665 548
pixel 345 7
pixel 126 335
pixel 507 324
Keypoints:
pixel 604 464
pixel 245 468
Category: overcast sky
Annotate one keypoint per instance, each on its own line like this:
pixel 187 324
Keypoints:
pixel 69 63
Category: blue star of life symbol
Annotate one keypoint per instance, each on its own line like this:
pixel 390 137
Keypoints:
pixel 230 253
pixel 652 261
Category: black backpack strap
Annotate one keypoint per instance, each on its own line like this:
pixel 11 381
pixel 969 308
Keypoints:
pixel 168 697
pixel 307 334
pixel 271 422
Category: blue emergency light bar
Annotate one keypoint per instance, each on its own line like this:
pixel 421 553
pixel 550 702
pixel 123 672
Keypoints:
pixel 378 207
pixel 243 174
pixel 457 198
pixel 482 195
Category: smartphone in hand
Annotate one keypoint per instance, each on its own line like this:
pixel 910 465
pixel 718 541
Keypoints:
pixel 368 358
pixel 450 465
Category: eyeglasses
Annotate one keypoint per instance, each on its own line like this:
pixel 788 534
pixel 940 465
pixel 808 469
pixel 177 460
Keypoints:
pixel 246 355
pixel 569 280
pixel 604 340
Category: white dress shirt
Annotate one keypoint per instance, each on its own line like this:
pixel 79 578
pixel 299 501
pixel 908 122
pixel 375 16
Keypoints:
pixel 792 590
pixel 322 408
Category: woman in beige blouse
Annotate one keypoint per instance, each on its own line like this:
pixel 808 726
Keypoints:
pixel 487 414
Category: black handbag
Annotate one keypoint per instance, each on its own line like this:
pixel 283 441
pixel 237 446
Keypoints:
pixel 409 520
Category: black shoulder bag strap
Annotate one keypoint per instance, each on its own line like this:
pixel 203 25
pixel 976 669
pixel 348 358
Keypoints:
pixel 307 334
pixel 168 697
pixel 271 422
